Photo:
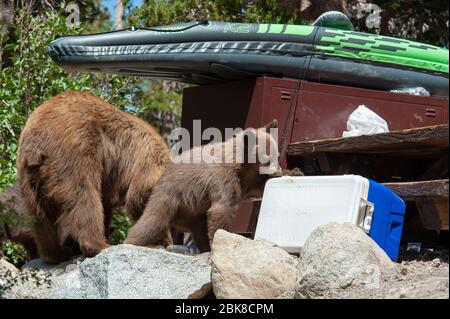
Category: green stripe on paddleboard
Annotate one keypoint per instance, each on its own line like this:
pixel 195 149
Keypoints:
pixel 377 48
pixel 369 47
pixel 290 29
pixel 263 28
pixel 372 56
pixel 299 30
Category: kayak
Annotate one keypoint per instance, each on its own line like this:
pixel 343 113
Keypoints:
pixel 208 52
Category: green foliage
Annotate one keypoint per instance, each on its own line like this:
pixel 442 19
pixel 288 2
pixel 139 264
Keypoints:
pixel 14 253
pixel 156 96
pixel 160 12
pixel 120 224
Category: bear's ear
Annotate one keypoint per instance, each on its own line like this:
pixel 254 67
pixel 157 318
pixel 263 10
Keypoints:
pixel 273 124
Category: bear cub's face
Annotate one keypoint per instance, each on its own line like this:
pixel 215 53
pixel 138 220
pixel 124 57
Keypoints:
pixel 261 160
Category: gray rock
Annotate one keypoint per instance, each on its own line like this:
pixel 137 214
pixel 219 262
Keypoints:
pixel 28 284
pixel 339 256
pixel 244 268
pixel 126 271
pixel 7 267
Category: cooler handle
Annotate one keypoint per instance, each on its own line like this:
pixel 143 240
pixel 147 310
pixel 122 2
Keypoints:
pixel 365 215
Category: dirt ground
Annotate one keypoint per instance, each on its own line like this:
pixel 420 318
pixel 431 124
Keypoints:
pixel 422 275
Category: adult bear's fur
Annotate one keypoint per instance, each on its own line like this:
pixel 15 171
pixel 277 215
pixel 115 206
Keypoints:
pixel 201 198
pixel 79 158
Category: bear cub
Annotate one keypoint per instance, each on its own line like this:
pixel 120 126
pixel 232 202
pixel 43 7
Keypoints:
pixel 202 196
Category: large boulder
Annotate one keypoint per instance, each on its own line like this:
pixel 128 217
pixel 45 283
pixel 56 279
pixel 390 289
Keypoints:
pixel 244 268
pixel 126 271
pixel 340 256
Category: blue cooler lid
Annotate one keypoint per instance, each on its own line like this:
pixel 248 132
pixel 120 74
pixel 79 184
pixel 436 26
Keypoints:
pixel 388 216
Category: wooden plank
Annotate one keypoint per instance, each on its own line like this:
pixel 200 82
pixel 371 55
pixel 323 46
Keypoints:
pixel 418 141
pixel 423 189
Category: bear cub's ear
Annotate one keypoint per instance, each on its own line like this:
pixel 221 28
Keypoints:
pixel 273 124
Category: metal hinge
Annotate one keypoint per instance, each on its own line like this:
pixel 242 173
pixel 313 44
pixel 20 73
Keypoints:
pixel 365 215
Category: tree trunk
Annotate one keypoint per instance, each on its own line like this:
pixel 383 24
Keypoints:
pixel 118 23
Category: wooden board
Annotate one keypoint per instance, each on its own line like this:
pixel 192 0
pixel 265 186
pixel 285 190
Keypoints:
pixel 414 190
pixel 418 141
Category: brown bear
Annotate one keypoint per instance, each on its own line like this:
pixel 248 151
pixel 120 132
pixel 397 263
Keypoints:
pixel 198 197
pixel 15 221
pixel 79 158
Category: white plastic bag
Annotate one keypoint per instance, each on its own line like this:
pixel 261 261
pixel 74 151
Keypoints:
pixel 364 121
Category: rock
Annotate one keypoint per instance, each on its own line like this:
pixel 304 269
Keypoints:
pixel 7 267
pixel 62 275
pixel 436 262
pixel 126 271
pixel 339 256
pixel 7 274
pixel 244 268
pixel 28 284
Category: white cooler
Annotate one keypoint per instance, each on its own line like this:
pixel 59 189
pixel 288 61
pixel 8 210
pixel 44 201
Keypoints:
pixel 293 207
